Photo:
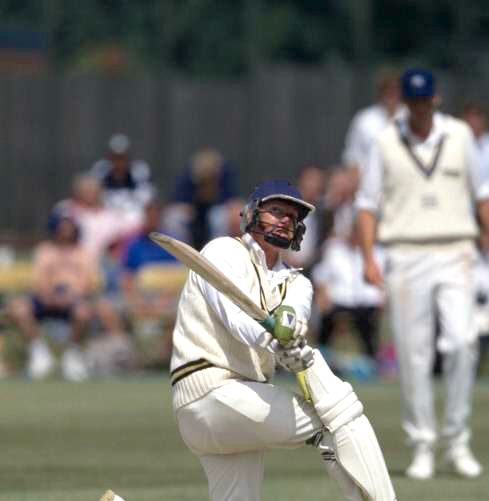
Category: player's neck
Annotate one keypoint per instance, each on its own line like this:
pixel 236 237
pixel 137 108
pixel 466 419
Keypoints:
pixel 271 259
pixel 271 254
pixel 421 128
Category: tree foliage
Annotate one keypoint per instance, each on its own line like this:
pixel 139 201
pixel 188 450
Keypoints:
pixel 227 38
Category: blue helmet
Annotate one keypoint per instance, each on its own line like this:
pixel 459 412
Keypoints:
pixel 276 190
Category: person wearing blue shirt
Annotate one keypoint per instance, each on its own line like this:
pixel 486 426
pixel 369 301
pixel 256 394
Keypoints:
pixel 154 305
pixel 142 251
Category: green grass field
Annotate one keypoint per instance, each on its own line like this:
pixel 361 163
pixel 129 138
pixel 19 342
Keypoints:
pixel 63 441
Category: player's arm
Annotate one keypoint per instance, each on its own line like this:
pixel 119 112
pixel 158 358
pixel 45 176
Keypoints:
pixel 367 205
pixel 366 227
pixel 225 254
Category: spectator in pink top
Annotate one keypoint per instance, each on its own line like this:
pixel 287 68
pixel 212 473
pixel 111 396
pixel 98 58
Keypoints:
pixel 65 280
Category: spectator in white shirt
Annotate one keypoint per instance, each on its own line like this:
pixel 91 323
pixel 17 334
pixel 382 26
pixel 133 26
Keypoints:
pixel 342 291
pixel 368 122
pixel 126 182
pixel 476 117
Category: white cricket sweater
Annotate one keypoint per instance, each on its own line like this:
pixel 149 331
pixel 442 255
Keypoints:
pixel 213 341
pixel 431 204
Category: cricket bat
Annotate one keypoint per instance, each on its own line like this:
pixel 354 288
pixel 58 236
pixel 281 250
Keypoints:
pixel 203 267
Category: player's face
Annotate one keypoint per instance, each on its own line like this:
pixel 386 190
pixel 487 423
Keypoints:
pixel 420 108
pixel 279 217
pixel 120 162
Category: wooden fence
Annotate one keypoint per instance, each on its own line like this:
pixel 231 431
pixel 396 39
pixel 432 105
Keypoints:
pixel 268 124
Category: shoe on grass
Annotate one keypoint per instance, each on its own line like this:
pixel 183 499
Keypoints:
pixel 461 460
pixel 41 360
pixel 422 466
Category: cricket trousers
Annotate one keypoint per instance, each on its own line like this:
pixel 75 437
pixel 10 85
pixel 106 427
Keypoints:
pixel 422 281
pixel 230 428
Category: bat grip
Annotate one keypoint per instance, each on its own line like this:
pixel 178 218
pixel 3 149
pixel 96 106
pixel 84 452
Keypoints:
pixel 269 324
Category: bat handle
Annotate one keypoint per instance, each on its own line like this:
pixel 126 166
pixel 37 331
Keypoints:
pixel 301 381
pixel 269 324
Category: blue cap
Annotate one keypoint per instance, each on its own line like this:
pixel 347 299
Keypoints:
pixel 417 82
pixel 282 190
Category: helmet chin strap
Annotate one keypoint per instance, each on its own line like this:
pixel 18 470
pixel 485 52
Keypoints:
pixel 275 240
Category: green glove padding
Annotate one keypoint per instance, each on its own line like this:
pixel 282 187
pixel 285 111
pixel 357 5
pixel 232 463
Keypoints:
pixel 285 322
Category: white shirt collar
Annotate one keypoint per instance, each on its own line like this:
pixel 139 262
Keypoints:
pixel 256 251
pixel 279 272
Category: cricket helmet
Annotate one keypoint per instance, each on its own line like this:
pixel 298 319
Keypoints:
pixel 276 190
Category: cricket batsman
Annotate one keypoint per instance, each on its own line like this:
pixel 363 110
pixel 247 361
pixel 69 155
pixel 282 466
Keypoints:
pixel 227 409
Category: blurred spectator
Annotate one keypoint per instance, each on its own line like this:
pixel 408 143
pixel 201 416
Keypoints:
pixel 341 291
pixel 141 250
pixel 476 116
pixel 207 182
pixel 225 219
pixel 126 182
pixel 152 306
pixel 311 182
pixel 64 283
pixel 103 232
pixel 339 199
pixel 481 279
pixel 100 226
pixel 368 122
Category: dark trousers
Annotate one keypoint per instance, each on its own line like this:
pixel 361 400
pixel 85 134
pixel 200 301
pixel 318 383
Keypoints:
pixel 364 319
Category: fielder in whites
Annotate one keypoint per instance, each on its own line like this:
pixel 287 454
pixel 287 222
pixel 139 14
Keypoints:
pixel 419 194
pixel 228 411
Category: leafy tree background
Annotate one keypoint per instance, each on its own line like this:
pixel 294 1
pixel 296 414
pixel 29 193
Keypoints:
pixel 227 38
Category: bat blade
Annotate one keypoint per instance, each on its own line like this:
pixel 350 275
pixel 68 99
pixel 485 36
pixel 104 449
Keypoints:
pixel 203 267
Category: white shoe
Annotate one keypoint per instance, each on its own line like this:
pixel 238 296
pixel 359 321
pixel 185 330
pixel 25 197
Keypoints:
pixel 41 360
pixel 422 466
pixel 73 365
pixel 463 462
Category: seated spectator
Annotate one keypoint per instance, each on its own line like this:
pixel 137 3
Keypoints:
pixel 208 181
pixel 154 305
pixel 476 117
pixel 101 227
pixel 481 279
pixel 103 232
pixel 126 182
pixel 225 219
pixel 340 192
pixel 311 183
pixel 342 291
pixel 64 283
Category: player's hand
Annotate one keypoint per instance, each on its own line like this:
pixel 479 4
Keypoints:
pixel 290 329
pixel 295 359
pixel 372 273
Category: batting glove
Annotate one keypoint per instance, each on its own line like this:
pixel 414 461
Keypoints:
pixel 290 329
pixel 295 359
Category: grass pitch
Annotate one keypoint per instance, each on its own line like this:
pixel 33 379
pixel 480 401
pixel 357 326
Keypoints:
pixel 64 441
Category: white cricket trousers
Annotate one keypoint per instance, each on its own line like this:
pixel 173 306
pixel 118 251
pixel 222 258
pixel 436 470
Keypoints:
pixel 420 282
pixel 231 427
